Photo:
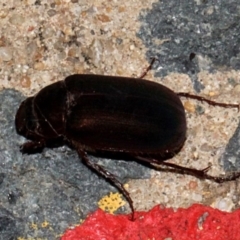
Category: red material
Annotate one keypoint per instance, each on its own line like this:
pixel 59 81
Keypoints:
pixel 196 223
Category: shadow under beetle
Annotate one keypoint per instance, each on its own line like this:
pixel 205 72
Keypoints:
pixel 141 119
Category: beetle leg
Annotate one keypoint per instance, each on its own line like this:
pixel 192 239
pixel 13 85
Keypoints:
pixel 148 68
pixel 210 102
pixel 156 163
pixel 108 176
pixel 202 173
pixel 32 147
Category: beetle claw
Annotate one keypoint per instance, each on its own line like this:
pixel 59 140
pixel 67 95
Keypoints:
pixel 205 170
pixel 32 147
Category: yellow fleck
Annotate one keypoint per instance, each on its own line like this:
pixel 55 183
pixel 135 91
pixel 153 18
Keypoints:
pixel 34 226
pixel 112 202
pixel 45 224
pixel 81 221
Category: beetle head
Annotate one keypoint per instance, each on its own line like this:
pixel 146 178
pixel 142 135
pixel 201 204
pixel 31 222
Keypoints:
pixel 26 120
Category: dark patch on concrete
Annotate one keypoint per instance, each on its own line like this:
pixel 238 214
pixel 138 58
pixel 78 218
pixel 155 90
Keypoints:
pixel 231 157
pixel 53 186
pixel 210 29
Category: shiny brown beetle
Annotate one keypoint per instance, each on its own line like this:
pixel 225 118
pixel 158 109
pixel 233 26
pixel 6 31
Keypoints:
pixel 93 113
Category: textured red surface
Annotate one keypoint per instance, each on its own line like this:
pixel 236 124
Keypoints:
pixel 197 222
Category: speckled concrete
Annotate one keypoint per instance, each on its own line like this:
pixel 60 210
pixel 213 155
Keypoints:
pixel 44 41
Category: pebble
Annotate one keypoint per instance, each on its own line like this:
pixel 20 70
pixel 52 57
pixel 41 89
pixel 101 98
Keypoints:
pixel 16 19
pixel 103 18
pixel 39 66
pixel 189 106
pixel 25 82
pixel 213 93
pixel 5 54
pixel 192 185
pixel 197 197
pixel 223 204
pixel 51 12
pixel 3 13
pixel 236 89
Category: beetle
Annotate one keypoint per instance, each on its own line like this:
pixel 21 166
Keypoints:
pixel 138 118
